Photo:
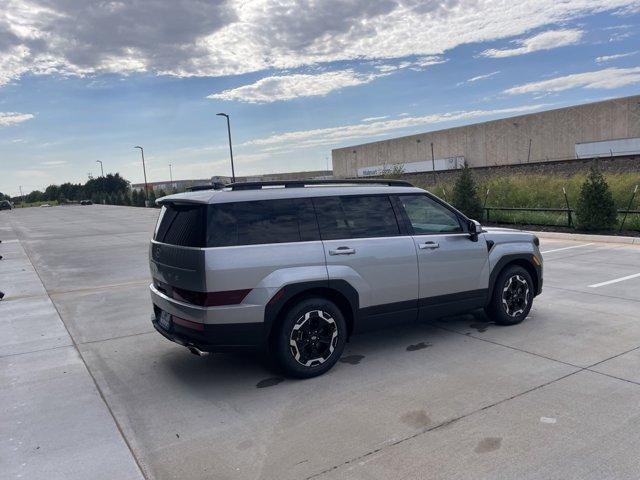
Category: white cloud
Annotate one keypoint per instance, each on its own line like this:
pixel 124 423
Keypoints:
pixel 479 77
pixel 483 77
pixel 542 41
pixel 13 118
pixel 418 64
pixel 287 87
pixel 54 163
pixel 608 78
pixel 227 37
pixel 608 58
pixel 334 135
pixel 373 119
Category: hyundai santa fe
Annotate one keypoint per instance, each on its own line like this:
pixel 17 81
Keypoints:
pixel 298 267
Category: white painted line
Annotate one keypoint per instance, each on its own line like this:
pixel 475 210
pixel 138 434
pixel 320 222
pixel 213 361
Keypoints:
pixel 567 248
pixel 615 280
pixel 10 241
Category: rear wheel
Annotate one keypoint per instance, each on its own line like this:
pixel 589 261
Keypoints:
pixel 311 338
pixel 512 296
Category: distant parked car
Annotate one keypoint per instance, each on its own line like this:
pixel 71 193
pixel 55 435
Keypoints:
pixel 45 205
pixel 5 205
pixel 86 202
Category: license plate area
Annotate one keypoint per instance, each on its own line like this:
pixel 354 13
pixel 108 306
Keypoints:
pixel 164 320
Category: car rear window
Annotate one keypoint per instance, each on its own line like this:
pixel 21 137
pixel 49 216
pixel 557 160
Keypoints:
pixel 259 222
pixel 356 217
pixel 181 225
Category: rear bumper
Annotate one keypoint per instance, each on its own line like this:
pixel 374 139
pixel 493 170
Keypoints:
pixel 218 328
pixel 214 338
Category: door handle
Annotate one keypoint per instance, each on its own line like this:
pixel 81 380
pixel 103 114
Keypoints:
pixel 342 251
pixel 429 245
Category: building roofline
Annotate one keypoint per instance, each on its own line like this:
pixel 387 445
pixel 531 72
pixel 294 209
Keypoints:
pixel 467 125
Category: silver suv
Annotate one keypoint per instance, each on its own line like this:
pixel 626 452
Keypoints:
pixel 298 267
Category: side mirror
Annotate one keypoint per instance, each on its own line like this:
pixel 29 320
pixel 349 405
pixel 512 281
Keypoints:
pixel 474 229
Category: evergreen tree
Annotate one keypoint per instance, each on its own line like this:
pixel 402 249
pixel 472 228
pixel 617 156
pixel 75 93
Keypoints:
pixel 465 195
pixel 596 209
pixel 134 198
pixel 126 199
pixel 141 199
pixel 152 198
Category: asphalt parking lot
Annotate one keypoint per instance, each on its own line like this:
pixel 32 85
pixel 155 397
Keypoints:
pixel 89 390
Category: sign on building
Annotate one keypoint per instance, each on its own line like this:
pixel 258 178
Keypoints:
pixel 608 148
pixel 449 163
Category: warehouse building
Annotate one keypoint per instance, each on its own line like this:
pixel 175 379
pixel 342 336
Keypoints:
pixel 608 128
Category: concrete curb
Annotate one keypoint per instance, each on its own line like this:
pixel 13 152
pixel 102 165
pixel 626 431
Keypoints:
pixel 582 237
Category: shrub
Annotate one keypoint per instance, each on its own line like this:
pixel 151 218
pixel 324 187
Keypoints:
pixel 396 171
pixel 595 209
pixel 465 195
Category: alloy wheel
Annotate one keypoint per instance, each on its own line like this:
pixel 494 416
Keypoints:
pixel 313 338
pixel 515 295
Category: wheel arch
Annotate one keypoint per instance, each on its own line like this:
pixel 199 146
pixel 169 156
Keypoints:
pixel 522 260
pixel 339 292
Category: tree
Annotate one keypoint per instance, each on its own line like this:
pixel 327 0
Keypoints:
pixel 596 209
pixel 126 198
pixel 152 198
pixel 134 198
pixel 465 195
pixel 35 196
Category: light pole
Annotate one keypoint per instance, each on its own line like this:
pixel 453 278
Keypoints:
pixel 144 170
pixel 233 173
pixel 170 176
pixel 101 169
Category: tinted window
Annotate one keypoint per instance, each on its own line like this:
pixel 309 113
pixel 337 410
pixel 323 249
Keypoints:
pixel 181 225
pixel 428 216
pixel 269 221
pixel 355 217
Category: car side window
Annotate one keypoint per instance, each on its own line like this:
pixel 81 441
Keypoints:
pixel 357 216
pixel 261 222
pixel 428 216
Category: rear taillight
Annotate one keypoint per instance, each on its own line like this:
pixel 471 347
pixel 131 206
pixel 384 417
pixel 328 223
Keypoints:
pixel 210 299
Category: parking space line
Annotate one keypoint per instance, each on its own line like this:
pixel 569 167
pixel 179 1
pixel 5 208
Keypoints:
pixel 615 280
pixel 567 248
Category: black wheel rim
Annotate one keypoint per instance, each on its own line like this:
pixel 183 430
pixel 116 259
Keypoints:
pixel 515 295
pixel 313 338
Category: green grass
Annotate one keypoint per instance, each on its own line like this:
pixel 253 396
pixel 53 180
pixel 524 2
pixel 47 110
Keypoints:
pixel 545 191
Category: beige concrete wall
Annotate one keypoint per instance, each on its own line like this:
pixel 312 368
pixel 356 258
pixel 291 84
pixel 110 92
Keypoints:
pixel 553 135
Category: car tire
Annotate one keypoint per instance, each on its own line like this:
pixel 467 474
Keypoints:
pixel 512 296
pixel 310 338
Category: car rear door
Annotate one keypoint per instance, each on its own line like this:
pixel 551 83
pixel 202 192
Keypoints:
pixel 453 268
pixel 366 246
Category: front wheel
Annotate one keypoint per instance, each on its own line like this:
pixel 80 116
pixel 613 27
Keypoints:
pixel 311 338
pixel 512 296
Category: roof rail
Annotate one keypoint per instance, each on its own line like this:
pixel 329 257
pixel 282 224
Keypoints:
pixel 304 183
pixel 213 186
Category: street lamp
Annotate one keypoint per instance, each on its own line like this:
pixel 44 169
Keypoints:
pixel 144 170
pixel 101 169
pixel 170 175
pixel 233 174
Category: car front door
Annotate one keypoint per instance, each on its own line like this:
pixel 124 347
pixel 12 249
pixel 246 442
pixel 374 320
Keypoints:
pixel 366 246
pixel 453 267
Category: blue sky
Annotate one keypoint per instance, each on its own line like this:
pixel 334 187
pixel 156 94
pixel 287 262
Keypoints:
pixel 84 81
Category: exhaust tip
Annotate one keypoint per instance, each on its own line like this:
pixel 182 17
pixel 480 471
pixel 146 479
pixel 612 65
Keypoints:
pixel 197 351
